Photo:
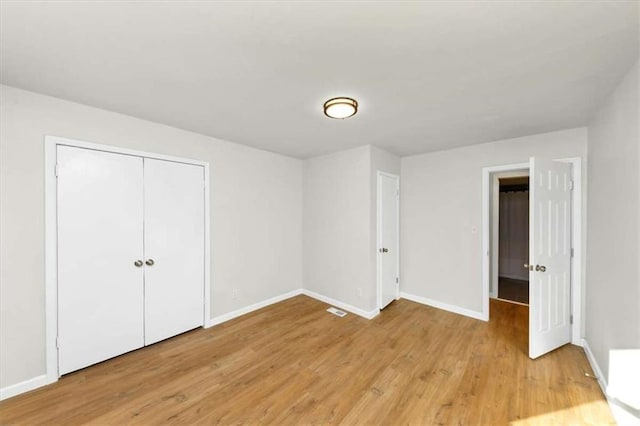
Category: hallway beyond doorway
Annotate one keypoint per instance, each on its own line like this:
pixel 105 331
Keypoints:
pixel 513 290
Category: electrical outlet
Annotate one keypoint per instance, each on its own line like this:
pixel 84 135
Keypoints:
pixel 235 294
pixel 359 291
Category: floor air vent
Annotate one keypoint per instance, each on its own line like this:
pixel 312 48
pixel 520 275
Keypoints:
pixel 337 312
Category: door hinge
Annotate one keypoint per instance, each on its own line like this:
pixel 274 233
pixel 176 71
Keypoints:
pixel 56 169
pixel 570 319
pixel 57 342
pixel 398 193
pixel 571 185
pixel 397 280
pixel 571 251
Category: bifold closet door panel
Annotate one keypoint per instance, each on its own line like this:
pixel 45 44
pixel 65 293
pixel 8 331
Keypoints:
pixel 174 248
pixel 100 236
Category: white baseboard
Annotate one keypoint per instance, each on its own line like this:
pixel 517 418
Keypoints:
pixel 444 306
pixel 602 381
pixel 623 414
pixel 22 387
pixel 243 311
pixel 341 305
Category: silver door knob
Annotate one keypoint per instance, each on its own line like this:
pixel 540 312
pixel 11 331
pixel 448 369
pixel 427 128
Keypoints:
pixel 149 262
pixel 529 267
pixel 138 263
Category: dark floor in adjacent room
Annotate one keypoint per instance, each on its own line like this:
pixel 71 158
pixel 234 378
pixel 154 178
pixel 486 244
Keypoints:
pixel 513 290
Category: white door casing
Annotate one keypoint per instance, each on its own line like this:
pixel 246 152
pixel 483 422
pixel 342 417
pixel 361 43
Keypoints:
pixel 100 230
pixel 388 243
pixel 550 256
pixel 174 248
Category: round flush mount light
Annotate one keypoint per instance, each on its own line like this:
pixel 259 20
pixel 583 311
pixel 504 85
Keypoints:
pixel 340 107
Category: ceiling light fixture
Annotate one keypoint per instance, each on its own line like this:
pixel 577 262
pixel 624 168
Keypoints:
pixel 340 107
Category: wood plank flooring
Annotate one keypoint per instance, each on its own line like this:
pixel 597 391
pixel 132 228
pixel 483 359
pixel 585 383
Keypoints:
pixel 294 363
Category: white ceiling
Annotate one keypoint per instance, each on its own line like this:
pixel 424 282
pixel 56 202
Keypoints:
pixel 427 75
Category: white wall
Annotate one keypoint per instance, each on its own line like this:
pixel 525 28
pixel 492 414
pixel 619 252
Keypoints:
pixel 613 277
pixel 340 224
pixel 337 228
pixel 441 213
pixel 383 161
pixel 256 214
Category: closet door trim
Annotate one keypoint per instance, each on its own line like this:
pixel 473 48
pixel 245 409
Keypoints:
pixel 51 144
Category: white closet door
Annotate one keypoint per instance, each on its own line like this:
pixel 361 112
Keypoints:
pixel 174 248
pixel 388 187
pixel 100 236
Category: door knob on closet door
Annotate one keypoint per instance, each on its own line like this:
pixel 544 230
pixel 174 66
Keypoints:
pixel 138 263
pixel 384 250
pixel 529 267
pixel 149 262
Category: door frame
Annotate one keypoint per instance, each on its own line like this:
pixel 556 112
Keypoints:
pixel 495 230
pixel 576 239
pixel 379 176
pixel 51 144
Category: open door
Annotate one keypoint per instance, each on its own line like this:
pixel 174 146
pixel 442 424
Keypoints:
pixel 549 256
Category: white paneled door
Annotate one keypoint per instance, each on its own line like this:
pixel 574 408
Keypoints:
pixel 549 256
pixel 174 248
pixel 100 236
pixel 388 193
pixel 131 253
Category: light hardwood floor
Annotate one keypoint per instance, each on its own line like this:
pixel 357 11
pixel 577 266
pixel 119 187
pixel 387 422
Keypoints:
pixel 294 363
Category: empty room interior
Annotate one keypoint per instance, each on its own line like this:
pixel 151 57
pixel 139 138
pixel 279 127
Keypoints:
pixel 306 212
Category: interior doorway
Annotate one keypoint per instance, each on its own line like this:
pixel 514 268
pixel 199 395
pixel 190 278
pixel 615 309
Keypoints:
pixel 513 239
pixel 509 214
pixel 555 250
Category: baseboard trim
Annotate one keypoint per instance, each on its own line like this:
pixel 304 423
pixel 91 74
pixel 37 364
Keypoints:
pixel 22 387
pixel 341 305
pixel 595 367
pixel 623 413
pixel 243 311
pixel 444 306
